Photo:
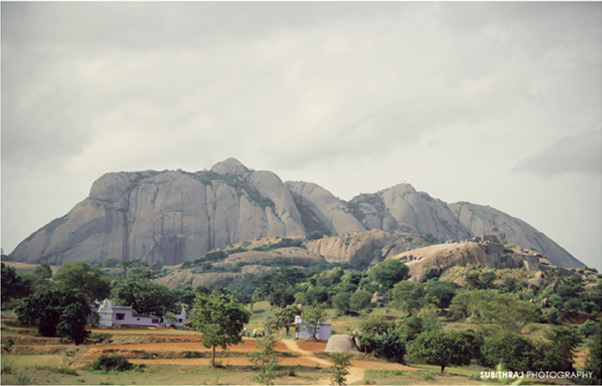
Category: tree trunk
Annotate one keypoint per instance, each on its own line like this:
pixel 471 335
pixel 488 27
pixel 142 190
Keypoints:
pixel 442 368
pixel 213 357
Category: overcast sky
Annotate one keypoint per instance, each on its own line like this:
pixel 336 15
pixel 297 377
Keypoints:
pixel 497 104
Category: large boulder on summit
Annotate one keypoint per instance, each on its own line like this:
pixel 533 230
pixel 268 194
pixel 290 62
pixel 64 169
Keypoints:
pixel 341 343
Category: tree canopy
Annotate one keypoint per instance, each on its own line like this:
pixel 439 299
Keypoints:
pixel 221 319
pixel 144 296
pixel 389 272
pixel 61 310
pixel 408 296
pixel 88 279
pixel 442 348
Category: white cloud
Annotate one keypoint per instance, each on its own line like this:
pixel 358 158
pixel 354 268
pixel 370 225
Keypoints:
pixel 580 153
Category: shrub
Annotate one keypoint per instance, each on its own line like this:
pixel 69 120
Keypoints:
pixel 7 367
pixel 111 363
pixel 588 328
pixel 315 235
pixel 428 376
pixel 516 352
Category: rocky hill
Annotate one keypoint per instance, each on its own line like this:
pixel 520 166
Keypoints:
pixel 170 217
pixel 488 251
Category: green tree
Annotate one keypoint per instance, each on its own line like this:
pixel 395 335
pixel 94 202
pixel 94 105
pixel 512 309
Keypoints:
pixel 144 296
pixel 565 339
pixel 593 363
pixel 340 363
pixel 60 311
pixel 314 235
pixel 389 272
pixel 408 296
pixel 506 313
pixel 12 286
pixel 516 352
pixel 359 300
pixel 375 324
pixel 88 279
pixel 278 287
pixel 340 301
pixel 473 279
pixel 443 291
pixel 276 320
pixel 378 334
pixel 37 280
pixel 432 273
pixel 442 348
pixel 290 312
pixel 312 315
pixel 221 319
pixel 265 358
pixel 487 279
pixel 509 285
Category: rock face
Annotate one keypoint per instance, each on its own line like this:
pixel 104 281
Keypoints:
pixel 167 217
pixel 479 219
pixel 487 252
pixel 174 216
pixel 350 246
pixel 401 208
pixel 322 210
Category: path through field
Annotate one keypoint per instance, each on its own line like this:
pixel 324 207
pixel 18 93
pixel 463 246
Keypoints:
pixel 356 374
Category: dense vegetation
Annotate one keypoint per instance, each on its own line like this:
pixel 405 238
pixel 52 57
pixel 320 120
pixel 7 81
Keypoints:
pixel 500 307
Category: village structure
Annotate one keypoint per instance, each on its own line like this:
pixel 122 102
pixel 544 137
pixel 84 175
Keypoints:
pixel 110 315
pixel 304 329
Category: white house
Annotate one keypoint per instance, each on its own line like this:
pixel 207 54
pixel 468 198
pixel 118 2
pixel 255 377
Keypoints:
pixel 110 315
pixel 302 327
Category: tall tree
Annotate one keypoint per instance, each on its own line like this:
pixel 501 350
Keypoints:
pixel 408 296
pixel 389 272
pixel 88 279
pixel 221 319
pixel 505 312
pixel 440 348
pixel 144 296
pixel 12 286
pixel 63 311
pixel 312 316
pixel 340 363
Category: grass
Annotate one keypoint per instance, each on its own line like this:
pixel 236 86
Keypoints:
pixel 158 375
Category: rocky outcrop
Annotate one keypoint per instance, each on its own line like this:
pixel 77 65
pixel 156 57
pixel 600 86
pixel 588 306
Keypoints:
pixel 341 343
pixel 322 211
pixel 401 208
pixel 173 216
pixel 488 253
pixel 167 217
pixel 350 246
pixel 479 219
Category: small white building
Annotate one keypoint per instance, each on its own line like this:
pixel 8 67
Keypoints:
pixel 110 315
pixel 304 329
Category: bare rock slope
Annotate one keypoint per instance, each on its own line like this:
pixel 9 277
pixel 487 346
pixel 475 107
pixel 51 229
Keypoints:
pixel 174 216
pixel 167 217
pixel 479 219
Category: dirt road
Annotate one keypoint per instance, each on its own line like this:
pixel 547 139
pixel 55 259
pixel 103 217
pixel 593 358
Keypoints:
pixel 355 376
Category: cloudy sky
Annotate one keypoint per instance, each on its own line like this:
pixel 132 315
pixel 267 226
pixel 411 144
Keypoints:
pixel 497 104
